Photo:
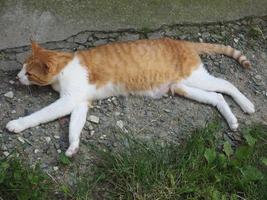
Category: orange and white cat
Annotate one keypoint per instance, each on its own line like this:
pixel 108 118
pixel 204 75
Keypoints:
pixel 144 67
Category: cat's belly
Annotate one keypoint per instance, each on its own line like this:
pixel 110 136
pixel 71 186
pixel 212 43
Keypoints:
pixel 118 90
pixel 155 93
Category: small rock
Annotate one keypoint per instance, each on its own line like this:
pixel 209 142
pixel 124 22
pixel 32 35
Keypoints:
pixel 90 127
pixel 92 133
pixel 167 110
pixel 155 35
pixel 26 134
pixel 236 40
pixel 6 153
pixel 102 137
pixel 117 113
pixel 4 147
pixel 21 140
pixel 57 146
pixel 9 94
pixel 47 139
pixel 100 42
pixel 81 38
pixel 258 77
pixel 13 111
pixel 120 124
pixel 205 35
pixel 11 82
pixel 55 168
pixel 129 37
pixel 36 151
pixel 57 137
pixel 94 119
pixel 59 151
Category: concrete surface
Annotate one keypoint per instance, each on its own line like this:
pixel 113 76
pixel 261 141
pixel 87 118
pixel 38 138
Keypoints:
pixel 53 20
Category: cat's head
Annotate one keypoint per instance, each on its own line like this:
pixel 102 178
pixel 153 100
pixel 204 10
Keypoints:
pixel 42 66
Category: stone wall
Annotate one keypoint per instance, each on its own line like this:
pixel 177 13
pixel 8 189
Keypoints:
pixel 54 20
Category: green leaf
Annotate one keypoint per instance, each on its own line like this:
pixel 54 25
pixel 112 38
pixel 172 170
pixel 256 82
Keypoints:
pixel 264 161
pixel 222 160
pixel 63 159
pixel 251 173
pixel 242 152
pixel 234 197
pixel 227 149
pixel 3 170
pixel 215 195
pixel 250 140
pixel 210 155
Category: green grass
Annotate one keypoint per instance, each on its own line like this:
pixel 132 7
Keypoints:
pixel 255 32
pixel 21 182
pixel 204 167
pixel 198 169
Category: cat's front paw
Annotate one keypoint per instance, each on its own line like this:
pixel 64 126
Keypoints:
pixel 16 125
pixel 72 150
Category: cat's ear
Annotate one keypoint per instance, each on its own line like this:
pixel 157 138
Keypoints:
pixel 48 68
pixel 35 46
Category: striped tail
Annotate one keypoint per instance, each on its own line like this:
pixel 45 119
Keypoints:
pixel 203 48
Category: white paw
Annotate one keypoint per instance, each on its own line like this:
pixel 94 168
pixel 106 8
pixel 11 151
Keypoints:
pixel 248 107
pixel 72 150
pixel 233 125
pixel 16 126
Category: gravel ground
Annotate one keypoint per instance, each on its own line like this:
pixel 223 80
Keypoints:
pixel 169 118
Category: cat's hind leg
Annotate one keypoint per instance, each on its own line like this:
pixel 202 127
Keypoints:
pixel 207 97
pixel 77 121
pixel 203 80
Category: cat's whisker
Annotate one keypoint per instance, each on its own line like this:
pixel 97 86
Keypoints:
pixel 29 89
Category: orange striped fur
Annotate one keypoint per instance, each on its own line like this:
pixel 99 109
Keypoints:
pixel 138 65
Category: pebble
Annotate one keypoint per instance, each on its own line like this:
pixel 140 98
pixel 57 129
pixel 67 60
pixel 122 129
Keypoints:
pixel 120 124
pixel 36 151
pixel 11 82
pixel 6 153
pixel 92 133
pixel 13 111
pixel 47 139
pixel 235 40
pixel 90 127
pixel 4 147
pixel 167 110
pixel 57 137
pixel 117 113
pixel 258 77
pixel 94 119
pixel 59 151
pixel 103 137
pixel 26 134
pixel 9 94
pixel 57 146
pixel 55 168
pixel 21 140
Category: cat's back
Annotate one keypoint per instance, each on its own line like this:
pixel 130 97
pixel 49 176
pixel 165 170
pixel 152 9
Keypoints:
pixel 133 53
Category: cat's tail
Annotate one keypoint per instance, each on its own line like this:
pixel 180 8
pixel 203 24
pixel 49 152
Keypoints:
pixel 207 48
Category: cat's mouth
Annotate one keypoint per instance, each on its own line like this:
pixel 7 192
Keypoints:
pixel 23 80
